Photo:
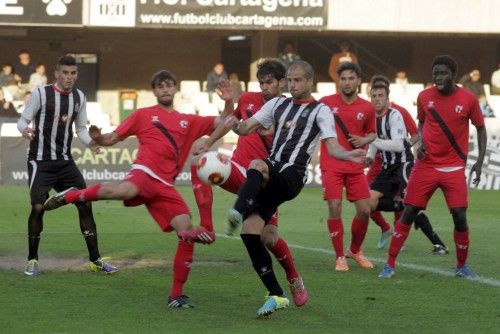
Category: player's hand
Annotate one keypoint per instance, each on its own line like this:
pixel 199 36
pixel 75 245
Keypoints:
pixel 421 151
pixel 476 168
pixel 94 132
pixel 200 149
pixel 368 162
pixel 94 147
pixel 357 141
pixel 224 90
pixel 358 156
pixel 29 133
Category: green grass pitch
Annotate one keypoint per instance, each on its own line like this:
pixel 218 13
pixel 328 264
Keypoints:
pixel 67 298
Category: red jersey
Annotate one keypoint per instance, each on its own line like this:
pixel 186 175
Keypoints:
pixel 359 119
pixel 165 138
pixel 456 110
pixel 253 146
pixel 411 126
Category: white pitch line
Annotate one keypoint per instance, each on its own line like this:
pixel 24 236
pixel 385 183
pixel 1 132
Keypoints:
pixel 482 280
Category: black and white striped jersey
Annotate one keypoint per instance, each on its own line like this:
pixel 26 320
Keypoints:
pixel 392 139
pixel 298 128
pixel 52 113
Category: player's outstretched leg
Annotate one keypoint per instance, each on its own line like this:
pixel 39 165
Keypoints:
pixel 197 234
pixel 57 200
pixel 203 196
pixel 246 199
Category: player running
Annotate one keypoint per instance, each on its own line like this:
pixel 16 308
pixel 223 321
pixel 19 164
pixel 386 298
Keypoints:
pixel 271 75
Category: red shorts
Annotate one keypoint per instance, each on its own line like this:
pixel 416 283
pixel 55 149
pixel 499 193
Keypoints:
pixel 163 202
pixel 424 180
pixel 375 169
pixel 235 181
pixel 334 182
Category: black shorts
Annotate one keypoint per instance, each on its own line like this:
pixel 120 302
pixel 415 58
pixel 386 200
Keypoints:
pixel 57 174
pixel 285 183
pixel 393 180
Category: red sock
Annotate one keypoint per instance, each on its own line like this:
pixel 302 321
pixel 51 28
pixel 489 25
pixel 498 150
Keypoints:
pixel 182 266
pixel 204 198
pixel 397 216
pixel 399 236
pixel 377 217
pixel 462 246
pixel 336 229
pixel 83 195
pixel 284 257
pixel 358 233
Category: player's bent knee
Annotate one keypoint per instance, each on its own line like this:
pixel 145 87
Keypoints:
pixel 460 219
pixel 258 164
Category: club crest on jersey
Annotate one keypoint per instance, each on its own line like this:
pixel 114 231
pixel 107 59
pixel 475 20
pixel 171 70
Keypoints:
pixel 335 110
pixel 360 116
pixel 430 104
pixel 155 119
pixel 63 119
pixel 459 108
pixel 250 106
pixel 289 124
pixel 183 124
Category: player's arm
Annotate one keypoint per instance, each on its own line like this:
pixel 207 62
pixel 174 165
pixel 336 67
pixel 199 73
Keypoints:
pixel 360 141
pixel 421 150
pixel 398 135
pixel 337 151
pixel 220 131
pixel 245 127
pixel 326 124
pixel 106 139
pixel 225 93
pixel 29 113
pixel 481 144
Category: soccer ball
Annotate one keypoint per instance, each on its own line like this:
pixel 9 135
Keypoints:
pixel 213 168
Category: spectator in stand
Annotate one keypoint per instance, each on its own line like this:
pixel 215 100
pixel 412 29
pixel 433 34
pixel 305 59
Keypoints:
pixel 401 78
pixel 288 56
pixel 495 81
pixel 7 76
pixel 8 82
pixel 38 78
pixel 234 82
pixel 216 75
pixel 23 70
pixel 345 55
pixel 472 82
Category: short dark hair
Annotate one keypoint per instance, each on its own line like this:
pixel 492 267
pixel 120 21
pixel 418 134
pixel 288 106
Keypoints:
pixel 162 76
pixel 349 67
pixel 446 60
pixel 304 65
pixel 380 86
pixel 380 78
pixel 23 51
pixel 66 60
pixel 271 66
